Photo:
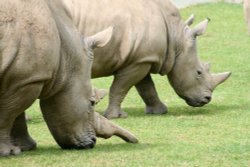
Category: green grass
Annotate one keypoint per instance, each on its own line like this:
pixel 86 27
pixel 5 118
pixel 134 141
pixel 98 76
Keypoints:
pixel 216 135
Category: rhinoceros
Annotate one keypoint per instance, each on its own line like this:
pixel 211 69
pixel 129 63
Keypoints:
pixel 149 38
pixel 43 57
pixel 246 7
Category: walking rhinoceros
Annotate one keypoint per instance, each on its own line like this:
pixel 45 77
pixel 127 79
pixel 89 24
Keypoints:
pixel 42 57
pixel 246 6
pixel 149 38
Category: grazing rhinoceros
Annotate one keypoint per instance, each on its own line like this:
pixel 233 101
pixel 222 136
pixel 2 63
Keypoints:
pixel 246 5
pixel 149 37
pixel 42 57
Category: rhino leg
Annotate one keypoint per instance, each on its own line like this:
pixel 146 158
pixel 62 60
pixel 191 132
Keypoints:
pixel 147 91
pixel 12 104
pixel 123 81
pixel 6 147
pixel 20 136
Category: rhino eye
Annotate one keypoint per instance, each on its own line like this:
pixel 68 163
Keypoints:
pixel 92 101
pixel 199 72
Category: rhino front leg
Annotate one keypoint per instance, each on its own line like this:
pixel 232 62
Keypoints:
pixel 147 91
pixel 13 104
pixel 20 136
pixel 6 147
pixel 122 82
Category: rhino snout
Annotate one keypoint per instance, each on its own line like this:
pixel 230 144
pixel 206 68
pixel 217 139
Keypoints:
pixel 197 102
pixel 85 142
pixel 206 99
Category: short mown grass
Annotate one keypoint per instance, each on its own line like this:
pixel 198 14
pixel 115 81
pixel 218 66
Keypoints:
pixel 215 135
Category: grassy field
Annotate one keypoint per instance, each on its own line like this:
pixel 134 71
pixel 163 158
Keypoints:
pixel 216 135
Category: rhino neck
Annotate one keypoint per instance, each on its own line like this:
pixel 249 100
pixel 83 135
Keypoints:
pixel 73 58
pixel 174 27
pixel 75 9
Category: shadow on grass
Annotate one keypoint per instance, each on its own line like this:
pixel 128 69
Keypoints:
pixel 99 148
pixel 109 147
pixel 181 110
pixel 211 109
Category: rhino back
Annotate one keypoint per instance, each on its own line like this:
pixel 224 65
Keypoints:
pixel 28 43
pixel 140 32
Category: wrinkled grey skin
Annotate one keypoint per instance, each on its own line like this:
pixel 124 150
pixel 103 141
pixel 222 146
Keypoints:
pixel 42 57
pixel 97 96
pixel 149 38
pixel 246 7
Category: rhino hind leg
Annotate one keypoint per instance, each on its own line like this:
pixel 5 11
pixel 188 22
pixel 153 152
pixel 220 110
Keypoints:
pixel 147 91
pixel 122 83
pixel 112 113
pixel 20 136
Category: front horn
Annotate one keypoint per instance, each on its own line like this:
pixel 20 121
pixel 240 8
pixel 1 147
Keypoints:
pixel 104 128
pixel 219 78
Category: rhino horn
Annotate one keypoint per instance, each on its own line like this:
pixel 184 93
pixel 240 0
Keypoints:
pixel 105 129
pixel 219 78
pixel 190 20
pixel 200 28
pixel 207 66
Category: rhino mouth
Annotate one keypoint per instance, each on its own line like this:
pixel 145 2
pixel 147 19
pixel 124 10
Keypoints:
pixel 195 102
pixel 79 142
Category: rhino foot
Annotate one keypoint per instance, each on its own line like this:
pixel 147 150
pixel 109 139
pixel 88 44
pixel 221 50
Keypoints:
pixel 115 114
pixel 9 149
pixel 25 144
pixel 158 109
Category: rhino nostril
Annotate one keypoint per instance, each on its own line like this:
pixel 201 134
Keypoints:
pixel 208 98
pixel 91 145
pixel 94 140
pixel 88 145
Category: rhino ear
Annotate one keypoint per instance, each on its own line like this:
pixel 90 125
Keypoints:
pixel 200 28
pixel 190 20
pixel 100 39
pixel 98 94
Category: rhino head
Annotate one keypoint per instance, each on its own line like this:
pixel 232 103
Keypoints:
pixel 189 77
pixel 75 124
